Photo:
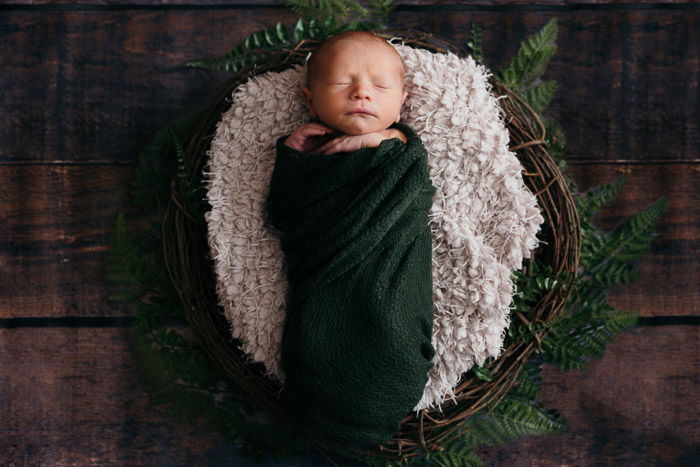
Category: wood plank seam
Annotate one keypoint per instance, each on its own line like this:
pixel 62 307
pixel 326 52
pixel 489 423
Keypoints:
pixel 127 321
pixel 445 7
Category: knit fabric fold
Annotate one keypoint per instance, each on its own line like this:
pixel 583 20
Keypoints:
pixel 356 345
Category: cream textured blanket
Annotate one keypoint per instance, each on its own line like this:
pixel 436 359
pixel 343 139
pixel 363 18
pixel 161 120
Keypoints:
pixel 483 219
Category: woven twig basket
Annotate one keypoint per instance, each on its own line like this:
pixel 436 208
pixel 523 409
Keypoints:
pixel 191 269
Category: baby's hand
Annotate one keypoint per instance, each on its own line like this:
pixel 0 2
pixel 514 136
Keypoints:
pixel 305 137
pixel 349 143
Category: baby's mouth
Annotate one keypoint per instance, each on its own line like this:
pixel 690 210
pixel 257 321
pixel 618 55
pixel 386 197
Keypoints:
pixel 362 112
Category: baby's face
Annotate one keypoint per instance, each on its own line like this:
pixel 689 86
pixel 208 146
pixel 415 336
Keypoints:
pixel 359 88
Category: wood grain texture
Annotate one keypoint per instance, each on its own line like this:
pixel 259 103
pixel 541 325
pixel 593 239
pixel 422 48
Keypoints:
pixel 83 87
pixel 637 405
pixel 669 272
pixel 627 80
pixel 71 397
pixel 92 85
pixel 495 4
pixel 55 237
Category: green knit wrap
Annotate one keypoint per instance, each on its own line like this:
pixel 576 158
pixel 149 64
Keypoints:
pixel 354 230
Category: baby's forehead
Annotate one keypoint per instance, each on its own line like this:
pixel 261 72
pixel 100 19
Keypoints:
pixel 351 46
pixel 347 51
pixel 364 45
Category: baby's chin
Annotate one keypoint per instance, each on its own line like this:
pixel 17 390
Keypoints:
pixel 356 128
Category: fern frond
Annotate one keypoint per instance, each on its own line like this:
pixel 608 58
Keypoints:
pixel 629 240
pixel 258 45
pixel 474 43
pixel 156 165
pixel 589 203
pixel 124 266
pixel 615 273
pixel 464 457
pixel 319 19
pixel 381 8
pixel 540 95
pixel 585 334
pixel 528 382
pixel 531 60
pixel 513 419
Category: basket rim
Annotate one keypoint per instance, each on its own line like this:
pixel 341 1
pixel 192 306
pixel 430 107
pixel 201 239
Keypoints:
pixel 187 259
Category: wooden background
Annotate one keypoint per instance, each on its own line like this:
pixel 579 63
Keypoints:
pixel 83 85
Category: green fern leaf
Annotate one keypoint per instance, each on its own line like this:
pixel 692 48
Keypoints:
pixel 589 203
pixel 615 273
pixel 450 458
pixel 483 372
pixel 474 44
pixel 584 335
pixel 381 8
pixel 125 295
pixel 528 382
pixel 531 60
pixel 314 29
pixel 282 33
pixel 271 39
pixel 155 370
pixel 255 46
pixel 512 419
pixel 300 30
pixel 124 264
pixel 540 95
pixel 151 185
pixel 631 239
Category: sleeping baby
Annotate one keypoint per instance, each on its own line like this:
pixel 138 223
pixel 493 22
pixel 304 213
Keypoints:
pixel 349 196
pixel 354 88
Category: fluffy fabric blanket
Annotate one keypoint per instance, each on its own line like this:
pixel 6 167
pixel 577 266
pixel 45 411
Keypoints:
pixel 354 229
pixel 483 219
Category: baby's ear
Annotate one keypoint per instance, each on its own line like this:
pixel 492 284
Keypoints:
pixel 403 100
pixel 308 100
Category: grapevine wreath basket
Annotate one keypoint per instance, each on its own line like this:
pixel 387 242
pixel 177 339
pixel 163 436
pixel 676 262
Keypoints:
pixel 188 256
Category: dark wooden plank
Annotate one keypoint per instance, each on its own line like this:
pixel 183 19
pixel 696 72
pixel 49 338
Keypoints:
pixel 637 405
pixel 94 85
pixel 668 283
pixel 628 78
pixel 54 237
pixel 57 220
pixel 627 81
pixel 72 397
pixel 398 3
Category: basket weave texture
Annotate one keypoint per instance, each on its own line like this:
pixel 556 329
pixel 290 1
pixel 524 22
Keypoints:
pixel 186 253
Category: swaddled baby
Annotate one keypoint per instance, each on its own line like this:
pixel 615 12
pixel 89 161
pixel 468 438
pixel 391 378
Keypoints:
pixel 354 88
pixel 350 195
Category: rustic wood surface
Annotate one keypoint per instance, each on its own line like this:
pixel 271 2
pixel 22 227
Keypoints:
pixel 83 87
pixel 642 64
pixel 72 398
pixel 55 236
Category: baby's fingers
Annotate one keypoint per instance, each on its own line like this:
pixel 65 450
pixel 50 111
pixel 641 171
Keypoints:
pixel 331 147
pixel 314 129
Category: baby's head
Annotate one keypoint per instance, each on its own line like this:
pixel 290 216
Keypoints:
pixel 354 83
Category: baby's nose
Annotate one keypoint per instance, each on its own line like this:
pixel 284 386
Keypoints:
pixel 361 91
